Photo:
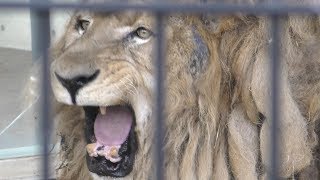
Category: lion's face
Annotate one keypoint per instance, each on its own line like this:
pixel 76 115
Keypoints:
pixel 104 64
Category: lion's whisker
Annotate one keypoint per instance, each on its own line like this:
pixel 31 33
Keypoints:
pixel 127 87
pixel 131 84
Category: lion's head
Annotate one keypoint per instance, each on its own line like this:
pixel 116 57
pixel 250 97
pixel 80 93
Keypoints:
pixel 104 64
pixel 216 112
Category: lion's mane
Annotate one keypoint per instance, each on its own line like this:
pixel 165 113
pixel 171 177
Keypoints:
pixel 217 115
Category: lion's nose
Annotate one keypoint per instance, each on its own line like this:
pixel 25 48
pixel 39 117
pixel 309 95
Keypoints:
pixel 74 84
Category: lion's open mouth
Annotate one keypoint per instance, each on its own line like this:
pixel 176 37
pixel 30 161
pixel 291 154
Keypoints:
pixel 112 142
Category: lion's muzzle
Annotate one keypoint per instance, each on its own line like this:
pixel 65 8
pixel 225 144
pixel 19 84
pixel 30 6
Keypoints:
pixel 109 130
pixel 74 84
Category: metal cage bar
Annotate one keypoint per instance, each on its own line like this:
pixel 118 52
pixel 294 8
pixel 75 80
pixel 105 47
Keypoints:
pixel 160 98
pixel 43 43
pixel 37 21
pixel 215 8
pixel 275 87
pixel 161 8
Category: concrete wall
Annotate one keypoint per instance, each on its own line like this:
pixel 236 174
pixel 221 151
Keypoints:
pixel 15 29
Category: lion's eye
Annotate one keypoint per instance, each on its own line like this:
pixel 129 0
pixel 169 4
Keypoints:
pixel 143 33
pixel 82 26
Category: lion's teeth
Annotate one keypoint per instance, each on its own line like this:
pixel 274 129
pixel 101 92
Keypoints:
pixel 91 149
pixel 103 110
pixel 114 152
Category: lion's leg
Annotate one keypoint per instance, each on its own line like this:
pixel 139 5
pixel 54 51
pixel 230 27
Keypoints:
pixel 295 153
pixel 243 147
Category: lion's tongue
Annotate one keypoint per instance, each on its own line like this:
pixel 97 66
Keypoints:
pixel 113 127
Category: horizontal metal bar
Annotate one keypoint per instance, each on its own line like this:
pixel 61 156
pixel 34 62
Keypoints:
pixel 168 7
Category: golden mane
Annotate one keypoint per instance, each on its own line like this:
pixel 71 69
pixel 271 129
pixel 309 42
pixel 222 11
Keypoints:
pixel 217 118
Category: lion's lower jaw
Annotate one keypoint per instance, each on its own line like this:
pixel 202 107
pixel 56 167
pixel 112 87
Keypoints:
pixel 142 168
pixel 97 177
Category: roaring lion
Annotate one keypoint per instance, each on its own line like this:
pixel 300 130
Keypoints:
pixel 217 117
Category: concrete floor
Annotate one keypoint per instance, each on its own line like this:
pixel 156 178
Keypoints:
pixel 14 72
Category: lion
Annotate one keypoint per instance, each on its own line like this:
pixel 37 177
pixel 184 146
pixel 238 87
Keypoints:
pixel 217 115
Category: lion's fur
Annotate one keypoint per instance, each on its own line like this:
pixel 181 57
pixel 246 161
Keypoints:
pixel 218 120
pixel 248 59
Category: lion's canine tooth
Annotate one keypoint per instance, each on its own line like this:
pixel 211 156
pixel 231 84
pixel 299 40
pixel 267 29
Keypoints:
pixel 103 110
pixel 91 149
pixel 114 152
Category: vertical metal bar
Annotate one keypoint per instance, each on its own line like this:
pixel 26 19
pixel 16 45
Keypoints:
pixel 275 88
pixel 36 32
pixel 160 97
pixel 43 43
pixel 40 35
